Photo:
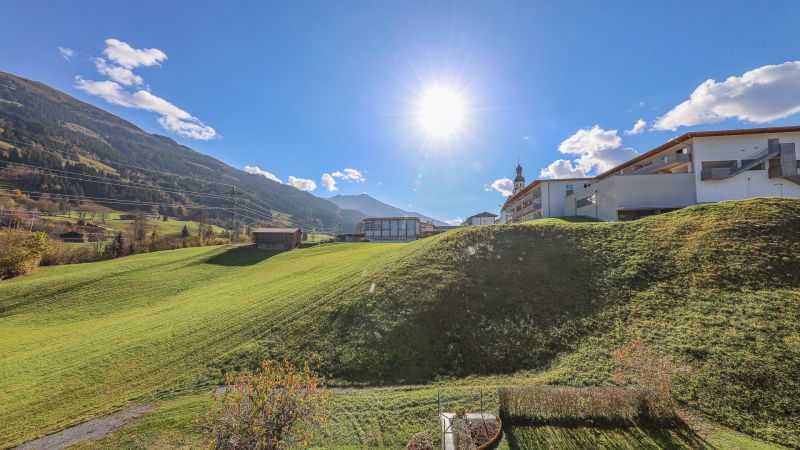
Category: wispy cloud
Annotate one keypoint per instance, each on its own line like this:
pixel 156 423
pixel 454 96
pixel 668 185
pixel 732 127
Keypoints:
pixel 456 221
pixel 66 53
pixel 121 59
pixel 257 170
pixel 638 127
pixel 328 182
pixel 761 95
pixel 350 175
pixel 126 56
pixel 302 183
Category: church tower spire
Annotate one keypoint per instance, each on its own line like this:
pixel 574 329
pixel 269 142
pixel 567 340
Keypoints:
pixel 519 181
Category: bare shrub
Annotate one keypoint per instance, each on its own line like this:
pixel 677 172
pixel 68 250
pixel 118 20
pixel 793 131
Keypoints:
pixel 637 365
pixel 570 405
pixel 275 406
pixel 421 441
pixel 61 253
pixel 462 435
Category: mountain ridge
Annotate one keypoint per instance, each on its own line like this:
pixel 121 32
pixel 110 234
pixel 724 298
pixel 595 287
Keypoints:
pixel 52 124
pixel 370 206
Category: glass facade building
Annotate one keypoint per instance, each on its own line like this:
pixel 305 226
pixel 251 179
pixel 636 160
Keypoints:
pixel 392 229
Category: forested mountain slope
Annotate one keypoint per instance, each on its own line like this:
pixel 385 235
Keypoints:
pixel 69 134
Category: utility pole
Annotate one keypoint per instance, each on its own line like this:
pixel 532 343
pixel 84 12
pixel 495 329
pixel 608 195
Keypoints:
pixel 233 228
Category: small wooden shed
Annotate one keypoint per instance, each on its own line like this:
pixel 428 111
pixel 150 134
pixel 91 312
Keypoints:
pixel 277 238
pixel 72 236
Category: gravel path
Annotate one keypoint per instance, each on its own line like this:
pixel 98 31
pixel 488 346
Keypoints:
pixel 93 429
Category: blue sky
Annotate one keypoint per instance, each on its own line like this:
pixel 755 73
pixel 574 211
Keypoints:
pixel 302 89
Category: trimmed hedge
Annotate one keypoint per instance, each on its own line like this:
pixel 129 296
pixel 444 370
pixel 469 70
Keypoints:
pixel 563 405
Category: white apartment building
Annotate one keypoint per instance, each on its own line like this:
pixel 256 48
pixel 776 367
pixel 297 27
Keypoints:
pixel 697 167
pixel 540 199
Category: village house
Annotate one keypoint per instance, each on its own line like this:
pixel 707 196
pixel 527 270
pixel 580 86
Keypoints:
pixel 484 218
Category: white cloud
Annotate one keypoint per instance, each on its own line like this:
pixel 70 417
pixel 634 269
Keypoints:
pixel 172 118
pixel 117 73
pixel 456 221
pixel 502 185
pixel 349 174
pixel 596 149
pixel 761 95
pixel 328 182
pixel 561 168
pixel 638 127
pixel 257 170
pixel 302 184
pixel 66 53
pixel 126 56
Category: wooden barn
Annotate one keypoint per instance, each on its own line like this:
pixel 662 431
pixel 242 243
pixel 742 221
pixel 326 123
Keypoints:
pixel 277 238
pixel 72 236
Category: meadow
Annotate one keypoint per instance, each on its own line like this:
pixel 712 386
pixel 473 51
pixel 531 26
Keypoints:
pixel 713 286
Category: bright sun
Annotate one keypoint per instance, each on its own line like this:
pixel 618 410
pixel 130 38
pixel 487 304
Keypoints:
pixel 441 111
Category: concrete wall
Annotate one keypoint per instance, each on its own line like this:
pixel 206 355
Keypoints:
pixel 633 192
pixel 751 183
pixel 554 194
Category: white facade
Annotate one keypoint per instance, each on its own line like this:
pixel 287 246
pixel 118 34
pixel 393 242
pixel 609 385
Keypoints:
pixel 483 218
pixel 541 199
pixel 695 168
pixel 752 183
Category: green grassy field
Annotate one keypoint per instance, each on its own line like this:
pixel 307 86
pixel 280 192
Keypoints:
pixel 714 286
pixel 386 418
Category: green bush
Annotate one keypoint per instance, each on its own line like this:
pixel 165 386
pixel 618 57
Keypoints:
pixel 20 252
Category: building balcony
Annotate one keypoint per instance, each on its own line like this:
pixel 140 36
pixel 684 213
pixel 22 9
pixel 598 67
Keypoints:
pixel 666 163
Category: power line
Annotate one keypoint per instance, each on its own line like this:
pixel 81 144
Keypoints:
pixel 132 185
pixel 266 206
pixel 263 202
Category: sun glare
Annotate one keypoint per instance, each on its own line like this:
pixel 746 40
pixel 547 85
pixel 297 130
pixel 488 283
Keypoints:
pixel 441 111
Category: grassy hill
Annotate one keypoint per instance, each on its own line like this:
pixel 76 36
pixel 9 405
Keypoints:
pixel 714 286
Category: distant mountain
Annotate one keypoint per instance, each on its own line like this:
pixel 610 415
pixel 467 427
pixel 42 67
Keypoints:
pixel 61 132
pixel 376 208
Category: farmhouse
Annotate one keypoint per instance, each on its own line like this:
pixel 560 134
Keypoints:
pixel 696 167
pixel 277 238
pixel 484 218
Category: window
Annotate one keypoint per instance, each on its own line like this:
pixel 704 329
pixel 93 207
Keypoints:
pixel 586 201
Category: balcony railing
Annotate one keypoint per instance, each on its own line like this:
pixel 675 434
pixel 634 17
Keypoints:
pixel 663 164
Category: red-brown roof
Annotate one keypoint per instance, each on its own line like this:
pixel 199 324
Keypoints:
pixel 276 230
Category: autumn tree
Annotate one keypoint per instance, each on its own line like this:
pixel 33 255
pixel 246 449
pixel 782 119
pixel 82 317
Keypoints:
pixel 276 406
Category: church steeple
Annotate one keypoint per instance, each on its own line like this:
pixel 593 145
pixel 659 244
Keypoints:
pixel 519 181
